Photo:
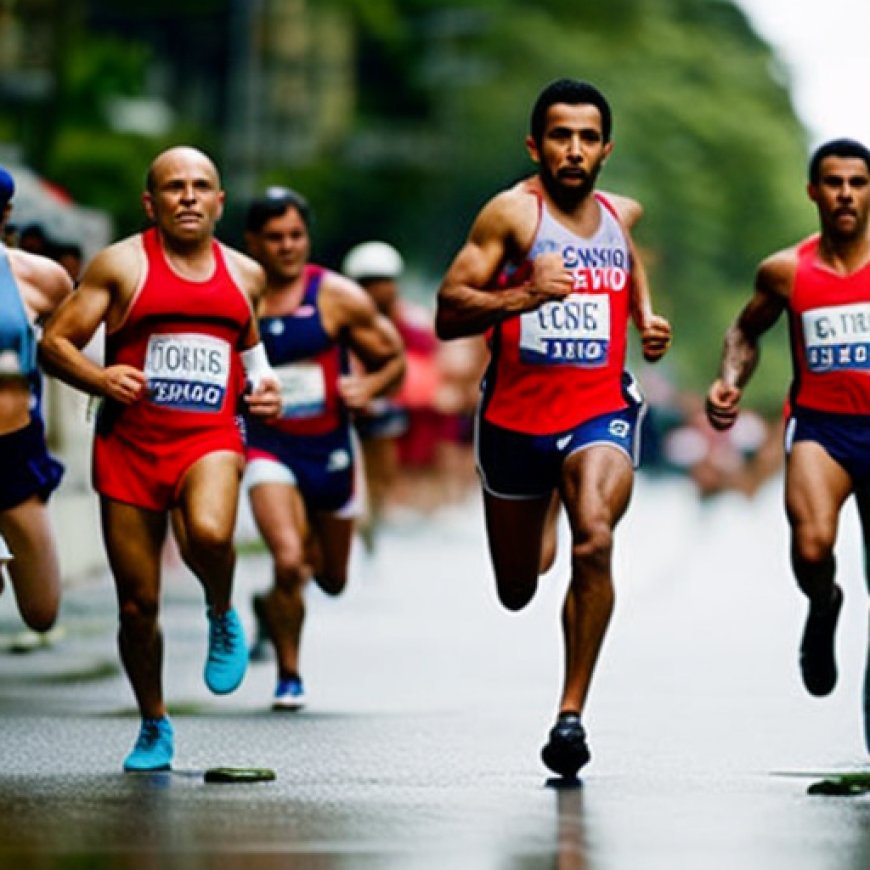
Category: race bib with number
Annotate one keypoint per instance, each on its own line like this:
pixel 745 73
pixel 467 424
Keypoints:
pixel 187 371
pixel 837 338
pixel 572 331
pixel 303 390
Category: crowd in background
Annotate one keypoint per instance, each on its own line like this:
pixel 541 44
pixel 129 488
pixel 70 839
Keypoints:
pixel 32 237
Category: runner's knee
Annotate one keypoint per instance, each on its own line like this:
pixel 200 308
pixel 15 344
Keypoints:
pixel 207 539
pixel 812 546
pixel 593 546
pixel 515 596
pixel 138 613
pixel 289 560
pixel 332 583
pixel 39 616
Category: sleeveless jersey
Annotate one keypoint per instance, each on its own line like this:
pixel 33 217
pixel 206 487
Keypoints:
pixel 308 363
pixel 17 334
pixel 829 322
pixel 557 366
pixel 185 335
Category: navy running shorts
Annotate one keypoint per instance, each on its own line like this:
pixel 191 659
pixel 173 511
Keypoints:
pixel 321 467
pixel 845 438
pixel 516 465
pixel 26 468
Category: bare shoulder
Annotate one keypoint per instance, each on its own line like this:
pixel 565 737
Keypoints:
pixel 246 271
pixel 775 273
pixel 628 209
pixel 511 215
pixel 119 256
pixel 345 300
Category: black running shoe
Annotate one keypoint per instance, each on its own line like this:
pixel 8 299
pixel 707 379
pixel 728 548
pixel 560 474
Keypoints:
pixel 566 750
pixel 818 657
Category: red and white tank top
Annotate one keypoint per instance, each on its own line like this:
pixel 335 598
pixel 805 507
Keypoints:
pixel 185 336
pixel 561 364
pixel 829 318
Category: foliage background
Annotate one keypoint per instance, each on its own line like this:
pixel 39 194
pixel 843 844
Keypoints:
pixel 399 118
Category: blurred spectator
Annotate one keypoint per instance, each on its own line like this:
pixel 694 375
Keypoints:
pixel 418 443
pixel 32 238
pixel 70 256
pixel 398 433
pixel 740 459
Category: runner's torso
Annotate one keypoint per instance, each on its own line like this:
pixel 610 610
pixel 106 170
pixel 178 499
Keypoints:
pixel 308 362
pixel 185 335
pixel 561 364
pixel 18 365
pixel 829 320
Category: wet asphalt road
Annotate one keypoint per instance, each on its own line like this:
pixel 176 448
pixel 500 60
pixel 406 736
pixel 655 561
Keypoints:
pixel 428 705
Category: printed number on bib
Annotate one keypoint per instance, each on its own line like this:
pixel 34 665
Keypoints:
pixel 837 337
pixel 303 390
pixel 572 331
pixel 187 371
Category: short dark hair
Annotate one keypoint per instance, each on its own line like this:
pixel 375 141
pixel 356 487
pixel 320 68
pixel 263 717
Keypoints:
pixel 274 203
pixel 573 92
pixel 836 148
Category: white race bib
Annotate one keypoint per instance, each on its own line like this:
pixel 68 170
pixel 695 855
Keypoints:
pixel 837 337
pixel 187 371
pixel 303 389
pixel 571 331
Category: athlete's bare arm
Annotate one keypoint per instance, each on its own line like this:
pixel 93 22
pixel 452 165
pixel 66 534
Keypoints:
pixel 630 211
pixel 773 283
pixel 503 231
pixel 655 330
pixel 371 336
pixel 102 297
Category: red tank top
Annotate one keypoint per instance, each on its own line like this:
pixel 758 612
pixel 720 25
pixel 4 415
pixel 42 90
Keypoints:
pixel 557 366
pixel 185 336
pixel 829 318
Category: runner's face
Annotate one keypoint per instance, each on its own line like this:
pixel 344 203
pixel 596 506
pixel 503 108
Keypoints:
pixel 282 246
pixel 572 148
pixel 187 200
pixel 842 196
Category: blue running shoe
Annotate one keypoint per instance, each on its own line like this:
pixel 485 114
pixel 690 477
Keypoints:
pixel 227 652
pixel 289 694
pixel 154 747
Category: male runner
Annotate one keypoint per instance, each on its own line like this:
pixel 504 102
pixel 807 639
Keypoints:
pixel 823 283
pixel 547 273
pixel 31 287
pixel 302 466
pixel 181 339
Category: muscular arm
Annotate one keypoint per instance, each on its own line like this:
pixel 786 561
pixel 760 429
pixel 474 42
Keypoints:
pixel 504 227
pixel 740 351
pixel 102 296
pixel 655 331
pixel 372 338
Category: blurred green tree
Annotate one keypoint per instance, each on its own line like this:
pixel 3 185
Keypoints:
pixel 431 119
